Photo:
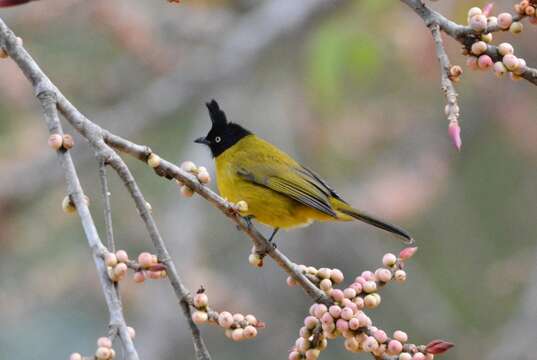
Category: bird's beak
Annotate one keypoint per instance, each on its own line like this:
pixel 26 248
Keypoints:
pixel 202 140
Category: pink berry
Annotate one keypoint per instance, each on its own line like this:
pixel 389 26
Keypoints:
pixel 342 325
pixel 367 275
pixel 400 336
pixel 478 23
pixel 120 270
pixel 347 313
pixel 360 280
pixel 364 319
pixel 357 287
pixel 320 310
pixel 310 322
pixel 238 317
pixel 327 318
pixel 394 347
pixel 418 356
pixel 383 275
pixel 354 323
pixel 505 20
pixel 381 336
pixel 484 62
pixel 337 276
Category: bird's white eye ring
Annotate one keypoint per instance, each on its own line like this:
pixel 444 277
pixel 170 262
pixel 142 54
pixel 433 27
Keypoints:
pixel 217 139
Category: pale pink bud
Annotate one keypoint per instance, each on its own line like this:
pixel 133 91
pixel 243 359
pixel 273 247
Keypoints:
pixel 200 317
pixel 204 177
pixel 329 328
pixel 294 355
pixel 479 47
pixel 237 334
pixel 75 356
pixel 474 11
pixel 505 49
pixel 357 287
pixel 238 317
pixel 364 319
pixel 104 342
pixel 102 353
pixel 342 325
pixel 310 322
pixel 291 282
pixel 312 354
pixel 471 62
pixel 349 293
pixel 55 141
pixel 347 313
pixel 110 259
pixel 381 336
pixel 324 273
pixel 370 344
pixel 250 332
pixel 351 344
pixel 225 319
pixel 368 275
pixel 189 166
pixel 251 319
pixel 405 356
pixel 360 280
pixel 505 20
pixel 320 310
pixel 400 336
pixel 354 323
pixel 389 259
pixel 186 191
pixel 348 303
pixel 418 356
pixel 145 260
pixel 394 347
pixel 407 253
pixel 201 300
pixel 337 295
pixel 478 23
pixel 521 68
pixel 304 332
pixel 359 302
pixel 370 286
pixel 131 332
pixel 138 277
pixel 325 285
pixel 492 21
pixel 383 275
pixel 484 62
pixel 336 276
pixel 302 344
pixel 327 318
pixel 335 311
pixel 122 256
pixel 120 270
pixel 454 131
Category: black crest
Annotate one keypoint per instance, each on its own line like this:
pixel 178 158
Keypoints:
pixel 223 134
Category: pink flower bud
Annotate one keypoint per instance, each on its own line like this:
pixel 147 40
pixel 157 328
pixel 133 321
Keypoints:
pixel 471 62
pixel 405 356
pixel 478 23
pixel 342 325
pixel 291 282
pixel 138 277
pixel 312 354
pixel 418 356
pixel 479 47
pixel 484 62
pixel 364 319
pixel 327 318
pixel 505 20
pixel 370 344
pixel 294 355
pixel 324 273
pixel 370 286
pixel 474 11
pixel 407 253
pixel 389 260
pixel 325 285
pixel 200 317
pixel 225 319
pixel 400 336
pixel 381 336
pixel 354 323
pixel 104 342
pixel 75 356
pixel 120 270
pixel 454 131
pixel 349 304
pixel 359 302
pixel 487 10
pixel 201 300
pixel 320 310
pixel 436 347
pixel 367 275
pixel 145 260
pixel 383 275
pixel 310 322
pixel 337 276
pixel 505 49
pixel 337 295
pixel 250 332
pixel 237 334
pixel 360 280
pixel 347 313
pixel 122 256
pixel 238 317
pixel 251 319
pixel 335 311
pixel 394 347
pixel 357 287
pixel 349 293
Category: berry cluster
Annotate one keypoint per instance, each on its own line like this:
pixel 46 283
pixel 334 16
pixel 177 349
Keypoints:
pixel 237 326
pixel 147 266
pixel 500 59
pixel 104 348
pixel 201 173
pixel 346 316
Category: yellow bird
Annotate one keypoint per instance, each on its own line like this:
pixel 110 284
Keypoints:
pixel 280 192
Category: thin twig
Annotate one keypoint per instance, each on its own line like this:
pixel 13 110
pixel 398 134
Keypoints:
pixel 47 99
pixel 93 133
pixel 107 206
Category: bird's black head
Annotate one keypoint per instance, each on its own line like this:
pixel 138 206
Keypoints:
pixel 223 134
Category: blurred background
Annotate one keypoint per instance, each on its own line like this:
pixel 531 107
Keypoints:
pixel 350 88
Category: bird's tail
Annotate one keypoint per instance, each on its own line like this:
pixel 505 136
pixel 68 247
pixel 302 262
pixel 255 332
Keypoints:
pixel 371 220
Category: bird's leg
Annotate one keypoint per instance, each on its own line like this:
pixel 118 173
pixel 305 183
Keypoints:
pixel 248 220
pixel 271 238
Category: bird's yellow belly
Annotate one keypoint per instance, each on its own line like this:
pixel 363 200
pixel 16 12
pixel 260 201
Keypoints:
pixel 265 205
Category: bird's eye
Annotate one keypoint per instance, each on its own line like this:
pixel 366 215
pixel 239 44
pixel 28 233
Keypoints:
pixel 217 139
